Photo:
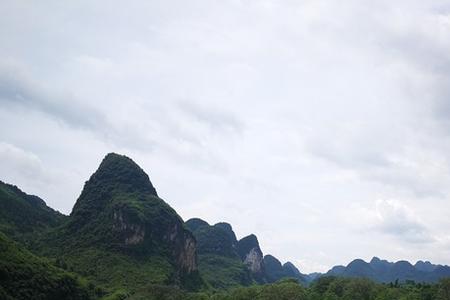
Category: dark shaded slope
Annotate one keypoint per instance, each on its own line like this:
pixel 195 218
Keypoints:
pixel 275 271
pixel 24 217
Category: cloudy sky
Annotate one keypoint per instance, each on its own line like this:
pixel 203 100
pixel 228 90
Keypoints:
pixel 321 126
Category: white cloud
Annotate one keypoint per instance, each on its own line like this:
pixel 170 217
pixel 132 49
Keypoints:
pixel 18 163
pixel 275 116
pixel 389 217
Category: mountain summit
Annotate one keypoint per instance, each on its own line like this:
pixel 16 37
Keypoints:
pixel 116 174
pixel 121 217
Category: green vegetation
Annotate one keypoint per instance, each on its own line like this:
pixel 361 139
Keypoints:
pixel 218 260
pixel 25 217
pixel 326 288
pixel 282 290
pixel 120 235
pixel 364 289
pixel 118 271
pixel 26 276
pixel 223 272
pixel 117 174
pixel 215 240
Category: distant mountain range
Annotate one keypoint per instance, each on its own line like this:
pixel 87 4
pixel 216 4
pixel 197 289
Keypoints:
pixel 121 236
pixel 225 261
pixel 384 271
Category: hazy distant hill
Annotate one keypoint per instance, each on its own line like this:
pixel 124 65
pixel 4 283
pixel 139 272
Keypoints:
pixel 384 271
pixel 276 271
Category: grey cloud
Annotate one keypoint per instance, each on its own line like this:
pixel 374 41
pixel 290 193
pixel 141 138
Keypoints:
pixel 396 219
pixel 348 155
pixel 18 90
pixel 18 164
pixel 441 105
pixel 217 118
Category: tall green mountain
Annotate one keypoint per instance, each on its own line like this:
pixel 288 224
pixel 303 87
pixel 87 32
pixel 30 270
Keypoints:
pixel 120 234
pixel 24 217
pixel 219 262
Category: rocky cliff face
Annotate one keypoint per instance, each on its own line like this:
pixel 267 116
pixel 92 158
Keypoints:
pixel 252 256
pixel 187 256
pixel 184 248
pixel 133 233
pixel 254 261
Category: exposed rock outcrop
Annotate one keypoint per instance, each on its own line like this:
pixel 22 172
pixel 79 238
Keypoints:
pixel 252 256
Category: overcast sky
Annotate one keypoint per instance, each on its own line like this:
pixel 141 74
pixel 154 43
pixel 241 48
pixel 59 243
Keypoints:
pixel 323 127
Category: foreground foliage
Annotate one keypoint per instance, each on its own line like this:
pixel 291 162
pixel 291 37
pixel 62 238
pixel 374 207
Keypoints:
pixel 26 276
pixel 325 288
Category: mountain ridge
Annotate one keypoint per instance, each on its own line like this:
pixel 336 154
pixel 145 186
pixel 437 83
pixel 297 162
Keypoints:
pixel 121 235
pixel 384 271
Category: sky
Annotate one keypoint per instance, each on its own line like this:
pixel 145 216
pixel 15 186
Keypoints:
pixel 323 127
